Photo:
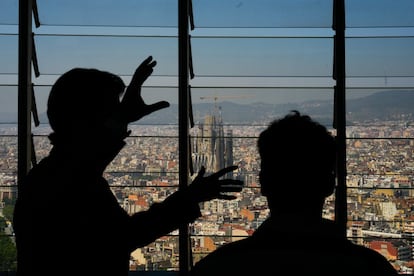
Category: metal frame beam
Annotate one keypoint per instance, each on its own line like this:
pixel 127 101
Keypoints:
pixel 340 112
pixel 24 88
pixel 183 124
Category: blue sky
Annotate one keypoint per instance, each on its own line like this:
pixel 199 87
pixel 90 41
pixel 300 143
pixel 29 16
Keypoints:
pixel 286 44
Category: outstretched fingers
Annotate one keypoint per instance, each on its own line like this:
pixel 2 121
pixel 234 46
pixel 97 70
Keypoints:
pixel 133 105
pixel 143 71
pixel 209 187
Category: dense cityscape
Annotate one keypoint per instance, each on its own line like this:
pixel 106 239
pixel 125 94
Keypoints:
pixel 380 163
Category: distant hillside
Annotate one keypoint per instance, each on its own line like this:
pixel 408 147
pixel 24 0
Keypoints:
pixel 387 105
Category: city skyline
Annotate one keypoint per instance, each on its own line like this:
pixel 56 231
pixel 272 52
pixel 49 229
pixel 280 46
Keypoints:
pixel 254 61
pixel 380 185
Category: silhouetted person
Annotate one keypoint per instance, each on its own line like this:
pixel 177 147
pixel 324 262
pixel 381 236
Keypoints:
pixel 297 173
pixel 67 221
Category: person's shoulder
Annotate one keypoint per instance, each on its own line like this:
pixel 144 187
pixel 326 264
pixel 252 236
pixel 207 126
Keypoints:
pixel 42 178
pixel 227 255
pixel 239 257
pixel 362 251
pixel 233 248
pixel 371 259
pixel 44 168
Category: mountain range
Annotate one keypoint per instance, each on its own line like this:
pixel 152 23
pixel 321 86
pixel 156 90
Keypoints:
pixel 385 106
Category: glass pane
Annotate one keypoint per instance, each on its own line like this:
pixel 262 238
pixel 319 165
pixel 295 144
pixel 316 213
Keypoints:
pixel 57 54
pixel 154 157
pixel 109 13
pixel 8 192
pixel 386 159
pixel 385 57
pixel 263 13
pixel 227 124
pixel 262 57
pixel 258 106
pixel 246 74
pixel 161 256
pixel 8 163
pixel 9 12
pixel 379 13
pixel 116 36
pixel 376 107
pixel 380 139
pixel 8 104
pixel 8 54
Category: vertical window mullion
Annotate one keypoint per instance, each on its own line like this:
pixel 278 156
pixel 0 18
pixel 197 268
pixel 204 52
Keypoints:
pixel 24 88
pixel 339 112
pixel 183 123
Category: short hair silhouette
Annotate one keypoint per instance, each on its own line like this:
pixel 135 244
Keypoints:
pixel 83 95
pixel 302 152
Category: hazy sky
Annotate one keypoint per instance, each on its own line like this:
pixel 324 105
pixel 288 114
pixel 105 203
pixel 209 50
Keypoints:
pixel 256 50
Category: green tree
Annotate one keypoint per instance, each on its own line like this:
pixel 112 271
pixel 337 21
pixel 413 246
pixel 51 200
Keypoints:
pixel 8 212
pixel 8 208
pixel 8 252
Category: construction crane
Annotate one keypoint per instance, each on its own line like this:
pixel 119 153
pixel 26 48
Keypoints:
pixel 215 98
pixel 225 97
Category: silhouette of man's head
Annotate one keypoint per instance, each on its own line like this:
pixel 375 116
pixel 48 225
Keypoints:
pixel 297 161
pixel 83 98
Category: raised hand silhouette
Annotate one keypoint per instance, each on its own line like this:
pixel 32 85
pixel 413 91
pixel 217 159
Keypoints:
pixel 132 106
